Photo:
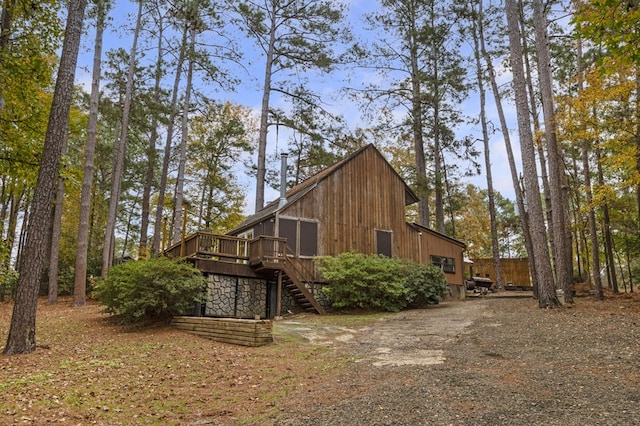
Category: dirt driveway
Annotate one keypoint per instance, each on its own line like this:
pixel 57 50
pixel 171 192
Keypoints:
pixel 490 361
pixel 412 337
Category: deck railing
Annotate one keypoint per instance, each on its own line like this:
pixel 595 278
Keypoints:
pixel 262 253
pixel 207 245
pixel 225 248
pixel 266 249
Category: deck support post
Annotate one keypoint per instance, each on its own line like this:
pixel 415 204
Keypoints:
pixel 279 295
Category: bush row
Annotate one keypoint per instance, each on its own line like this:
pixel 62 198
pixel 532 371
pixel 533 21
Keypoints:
pixel 157 289
pixel 377 282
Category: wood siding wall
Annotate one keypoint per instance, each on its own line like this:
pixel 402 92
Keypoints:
pixel 429 244
pixel 362 196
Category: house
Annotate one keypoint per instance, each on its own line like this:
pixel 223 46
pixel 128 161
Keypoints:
pixel 357 204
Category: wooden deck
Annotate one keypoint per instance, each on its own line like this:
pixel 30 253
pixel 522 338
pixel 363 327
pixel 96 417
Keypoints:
pixel 263 256
pixel 257 252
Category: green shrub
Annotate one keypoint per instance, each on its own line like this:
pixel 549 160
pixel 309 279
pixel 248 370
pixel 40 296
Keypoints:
pixel 380 283
pixel 151 290
pixel 427 284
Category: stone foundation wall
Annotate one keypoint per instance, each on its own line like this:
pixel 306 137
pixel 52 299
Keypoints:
pixel 236 297
pixel 241 297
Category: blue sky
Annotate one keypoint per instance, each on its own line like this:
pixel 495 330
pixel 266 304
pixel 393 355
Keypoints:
pixel 249 94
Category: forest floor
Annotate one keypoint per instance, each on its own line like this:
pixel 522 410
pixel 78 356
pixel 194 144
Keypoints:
pixel 492 360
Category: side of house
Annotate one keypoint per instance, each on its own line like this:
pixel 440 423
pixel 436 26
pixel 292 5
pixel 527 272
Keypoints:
pixel 358 204
pixel 266 265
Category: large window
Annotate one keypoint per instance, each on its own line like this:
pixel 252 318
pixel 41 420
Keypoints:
pixel 448 264
pixel 248 234
pixel 384 243
pixel 301 235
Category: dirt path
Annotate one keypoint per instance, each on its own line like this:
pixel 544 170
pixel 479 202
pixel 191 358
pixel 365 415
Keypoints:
pixel 414 337
pixel 493 361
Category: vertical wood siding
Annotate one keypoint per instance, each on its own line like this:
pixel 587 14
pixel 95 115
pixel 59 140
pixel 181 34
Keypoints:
pixel 365 194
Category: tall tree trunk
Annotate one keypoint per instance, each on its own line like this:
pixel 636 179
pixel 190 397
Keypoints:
pixel 56 230
pixel 6 23
pixel 152 156
pixel 524 222
pixel 203 200
pixel 23 233
pixel 546 286
pixel 593 226
pixel 264 115
pixel 438 184
pixel 158 239
pixel 22 331
pixel 533 105
pixel 637 140
pixel 578 231
pixel 19 193
pixel 448 191
pixel 82 244
pixel 437 170
pixel 5 200
pixel 422 185
pixel 109 238
pixel 178 215
pixel 606 222
pixel 127 231
pixel 477 28
pixel 559 194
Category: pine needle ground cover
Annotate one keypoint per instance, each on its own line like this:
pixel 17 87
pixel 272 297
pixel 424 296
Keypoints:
pixel 498 359
pixel 87 369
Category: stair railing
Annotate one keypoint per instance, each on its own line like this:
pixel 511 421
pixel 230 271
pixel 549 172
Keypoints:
pixel 305 274
pixel 305 271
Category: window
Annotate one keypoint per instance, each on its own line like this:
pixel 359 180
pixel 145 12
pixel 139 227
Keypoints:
pixel 268 228
pixel 301 235
pixel 243 248
pixel 289 230
pixel 308 238
pixel 264 228
pixel 248 234
pixel 384 242
pixel 448 264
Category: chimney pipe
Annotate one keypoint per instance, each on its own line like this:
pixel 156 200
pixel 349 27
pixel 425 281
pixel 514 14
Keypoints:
pixel 283 180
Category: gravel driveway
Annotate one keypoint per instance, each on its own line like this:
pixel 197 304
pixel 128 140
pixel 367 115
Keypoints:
pixel 489 361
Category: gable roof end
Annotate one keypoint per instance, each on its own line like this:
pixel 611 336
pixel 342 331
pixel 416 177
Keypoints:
pixel 301 189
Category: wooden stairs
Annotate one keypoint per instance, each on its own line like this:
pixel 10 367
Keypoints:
pixel 293 282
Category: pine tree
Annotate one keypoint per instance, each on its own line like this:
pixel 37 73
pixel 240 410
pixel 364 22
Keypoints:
pixel 22 332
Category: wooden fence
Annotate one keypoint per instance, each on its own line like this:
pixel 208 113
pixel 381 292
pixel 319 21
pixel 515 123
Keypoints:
pixel 514 271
